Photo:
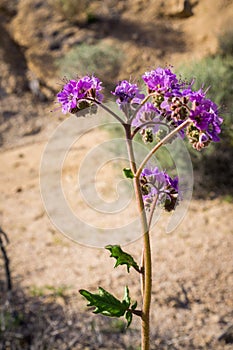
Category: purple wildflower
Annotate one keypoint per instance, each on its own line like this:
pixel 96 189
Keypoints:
pixel 67 97
pixel 158 185
pixel 127 93
pixel 204 114
pixel 172 182
pixel 177 102
pixel 154 177
pixel 162 81
pixel 77 94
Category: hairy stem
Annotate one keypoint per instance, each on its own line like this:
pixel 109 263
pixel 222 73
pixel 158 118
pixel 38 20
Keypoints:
pixel 159 144
pixel 112 113
pixel 146 268
pixel 152 211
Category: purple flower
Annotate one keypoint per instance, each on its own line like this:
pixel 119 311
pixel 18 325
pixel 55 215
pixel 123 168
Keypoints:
pixel 154 177
pixel 204 114
pixel 158 185
pixel 173 183
pixel 77 94
pixel 67 97
pixel 127 93
pixel 177 102
pixel 162 81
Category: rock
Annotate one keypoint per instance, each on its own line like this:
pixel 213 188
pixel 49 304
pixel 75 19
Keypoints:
pixel 177 8
pixel 227 335
pixel 32 35
pixel 33 131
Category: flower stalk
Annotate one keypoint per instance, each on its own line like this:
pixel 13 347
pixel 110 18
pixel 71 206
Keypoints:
pixel 146 267
pixel 161 143
pixel 169 103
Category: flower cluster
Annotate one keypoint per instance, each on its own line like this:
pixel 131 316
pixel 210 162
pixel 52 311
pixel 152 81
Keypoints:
pixel 80 94
pixel 162 81
pixel 159 188
pixel 206 122
pixel 173 102
pixel 127 92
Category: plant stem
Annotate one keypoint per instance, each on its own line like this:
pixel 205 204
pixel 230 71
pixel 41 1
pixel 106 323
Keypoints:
pixel 159 144
pixel 147 293
pixel 152 211
pixel 147 266
pixel 110 112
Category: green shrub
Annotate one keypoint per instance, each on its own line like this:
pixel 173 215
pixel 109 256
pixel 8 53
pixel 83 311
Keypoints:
pixel 73 10
pixel 226 42
pixel 102 60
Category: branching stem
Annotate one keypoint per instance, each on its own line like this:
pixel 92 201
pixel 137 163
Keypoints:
pixel 160 143
pixel 114 115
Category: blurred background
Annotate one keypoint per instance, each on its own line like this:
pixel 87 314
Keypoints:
pixel 40 43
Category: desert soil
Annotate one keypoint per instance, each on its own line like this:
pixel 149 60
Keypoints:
pixel 192 300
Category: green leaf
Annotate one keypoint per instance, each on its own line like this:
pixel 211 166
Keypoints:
pixel 106 304
pixel 122 258
pixel 128 173
pixel 134 305
pixel 129 317
pixel 127 297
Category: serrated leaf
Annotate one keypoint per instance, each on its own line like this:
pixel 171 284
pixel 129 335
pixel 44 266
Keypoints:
pixel 122 258
pixel 105 303
pixel 128 173
pixel 128 317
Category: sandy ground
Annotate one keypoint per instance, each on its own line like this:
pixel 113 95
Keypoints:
pixel 192 300
pixel 192 274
